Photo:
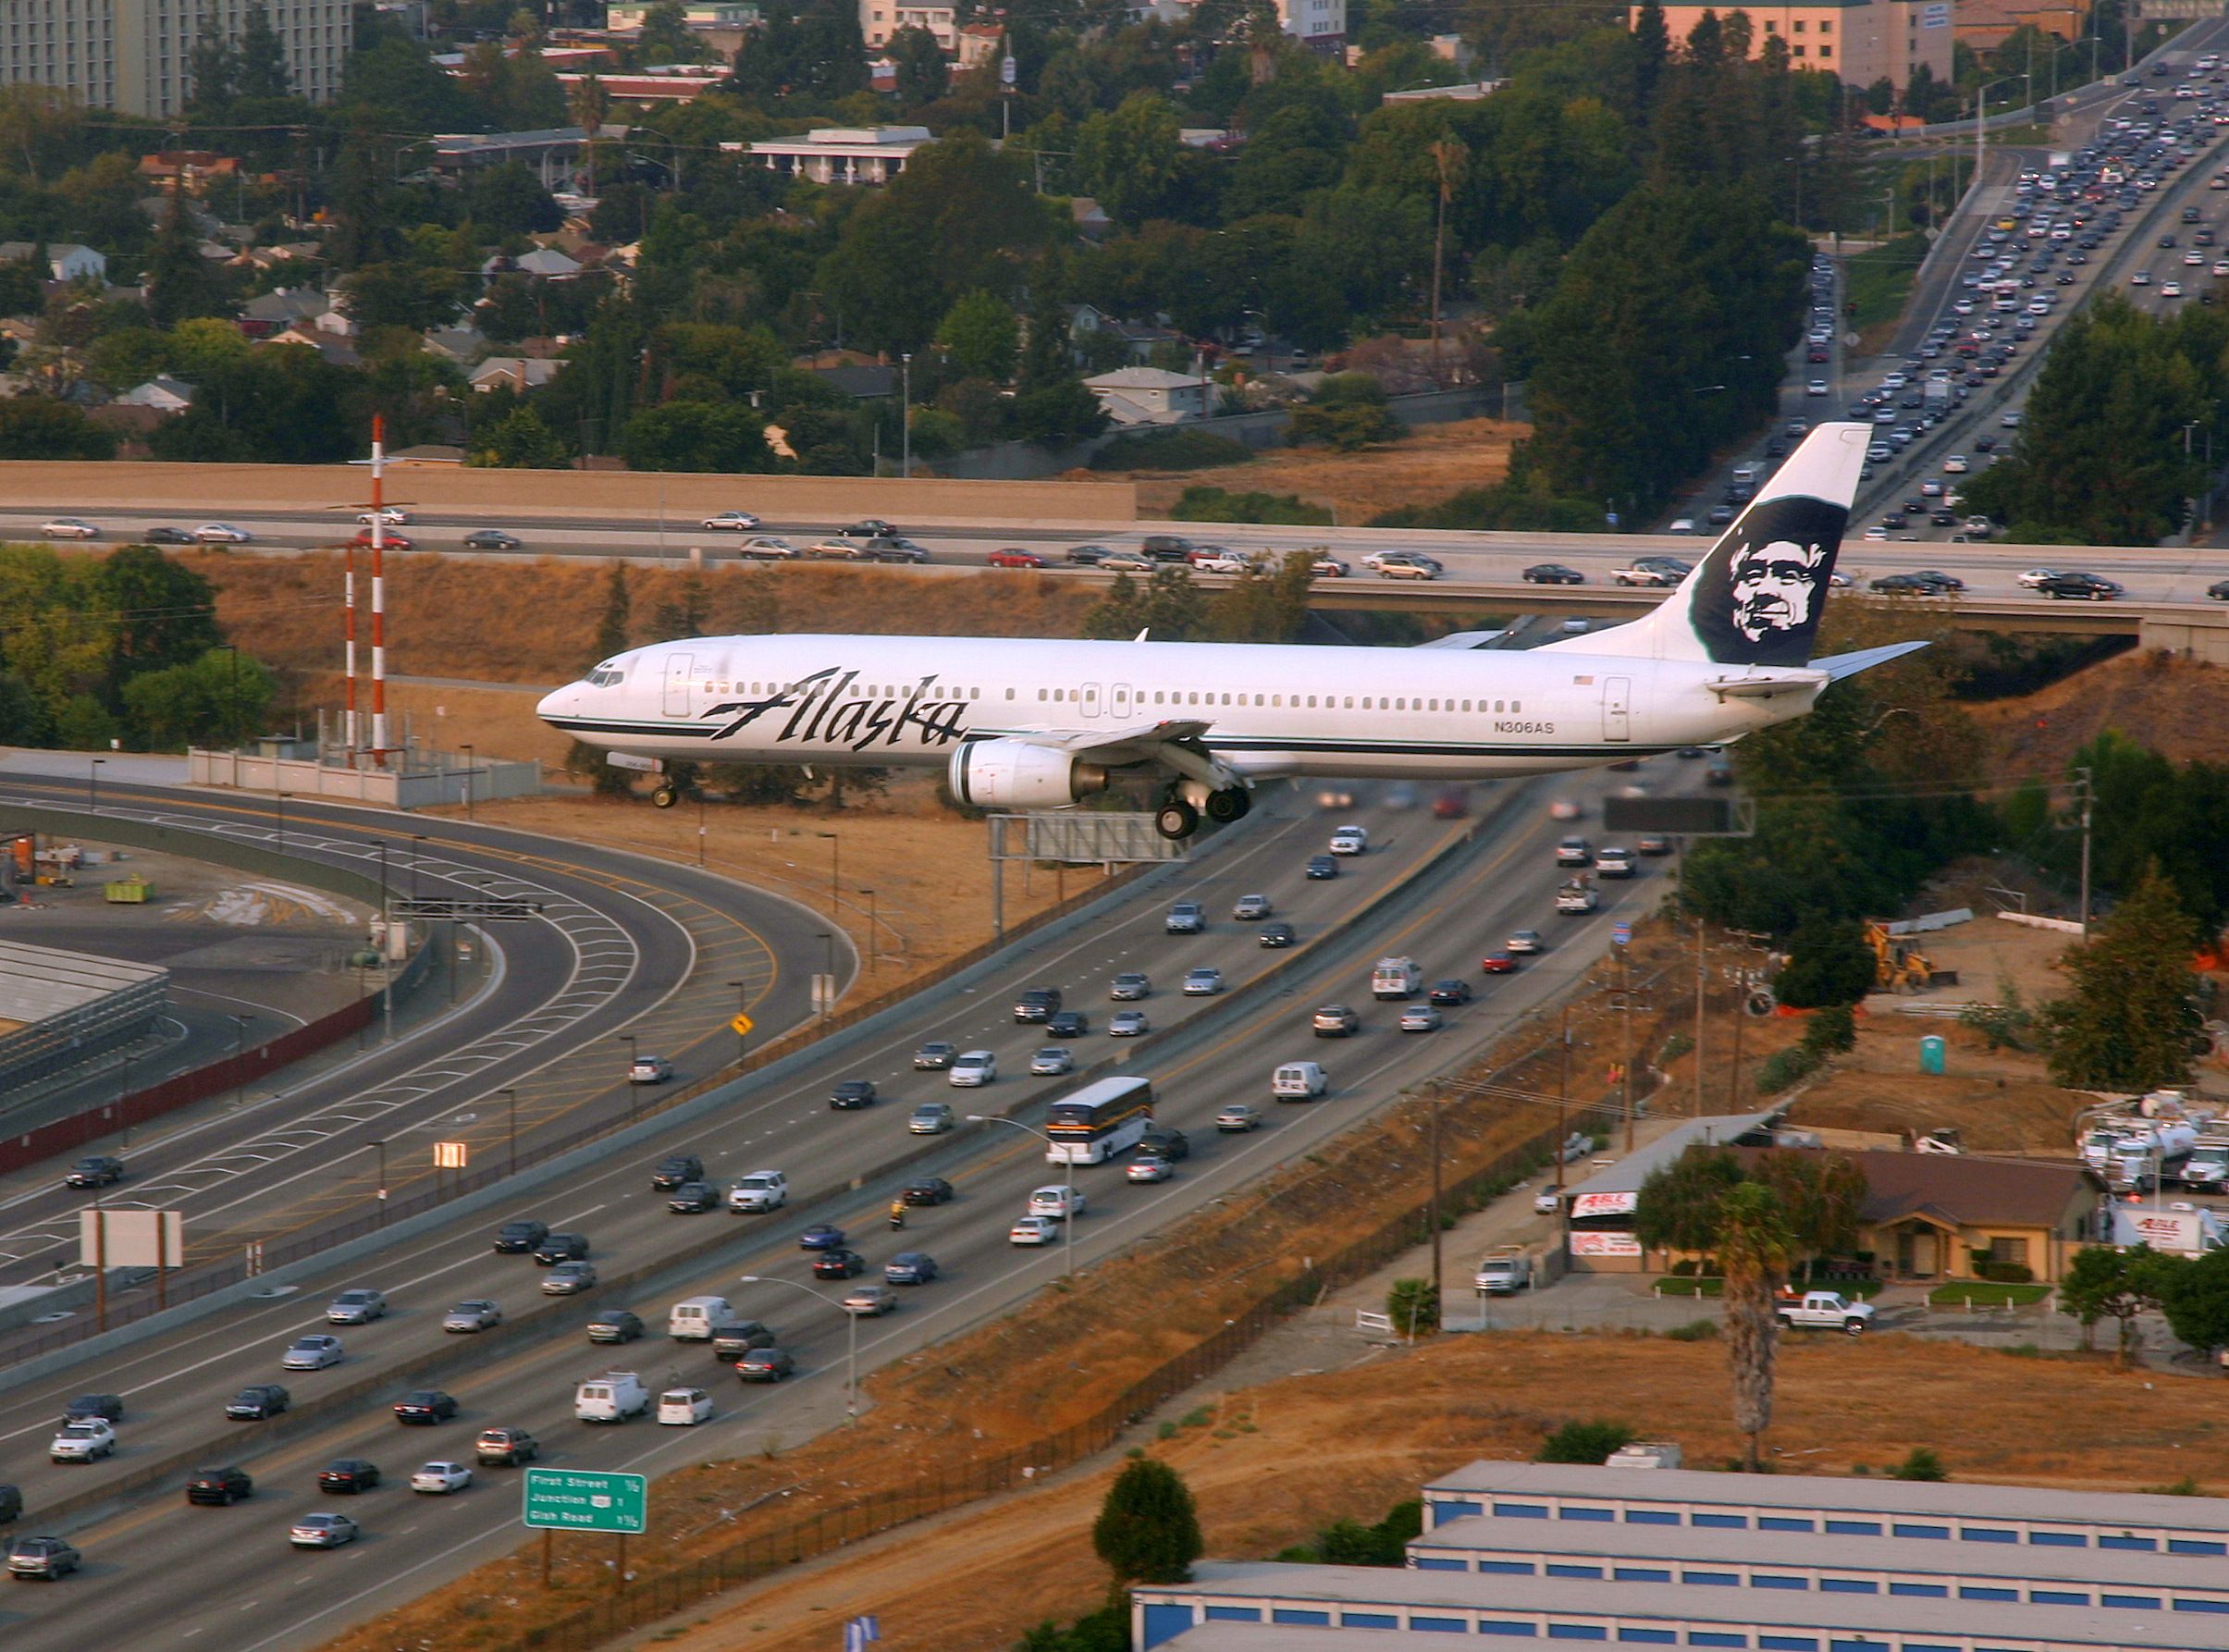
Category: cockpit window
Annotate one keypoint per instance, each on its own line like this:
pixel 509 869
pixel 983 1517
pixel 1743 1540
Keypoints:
pixel 608 675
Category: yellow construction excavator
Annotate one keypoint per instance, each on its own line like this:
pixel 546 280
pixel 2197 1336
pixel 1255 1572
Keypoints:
pixel 1898 966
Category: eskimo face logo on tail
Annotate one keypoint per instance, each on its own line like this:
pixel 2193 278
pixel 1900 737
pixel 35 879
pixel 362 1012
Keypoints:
pixel 1759 592
pixel 823 710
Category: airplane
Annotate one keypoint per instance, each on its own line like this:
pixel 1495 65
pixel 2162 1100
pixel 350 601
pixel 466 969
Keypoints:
pixel 1026 724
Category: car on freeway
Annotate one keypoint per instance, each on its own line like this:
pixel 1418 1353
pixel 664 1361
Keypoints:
pixel 2080 586
pixel 1050 1062
pixel 1552 573
pixel 389 539
pixel 767 548
pixel 1067 1023
pixel 1086 556
pixel 1034 1230
pixel 1522 942
pixel 1128 1023
pixel 99 1170
pixel 935 1055
pixel 1321 867
pixel 766 1365
pixel 82 1442
pixel 311 1354
pixel 761 1190
pixel 505 1447
pixel 1408 564
pixel 1036 1004
pixel 440 1478
pixel 165 535
pixel 930 1118
pixel 1058 1201
pixel 1911 584
pixel 870 1302
pixel 357 1306
pixel 1349 840
pixel 649 1069
pixel 1186 918
pixel 1276 935
pixel 1499 962
pixel 349 1474
pixel 841 1262
pixel 224 533
pixel 222 1486
pixel 670 1173
pixel 615 1324
pixel 1655 571
pixel 928 1189
pixel 1126 561
pixel 574 1247
pixel 392 516
pixel 1014 556
pixel 2219 590
pixel 1129 986
pixel 851 1095
pixel 683 1408
pixel 257 1403
pixel 1237 1118
pixel 493 539
pixel 1202 982
pixel 691 1199
pixel 1336 1020
pixel 2032 579
pixel 1167 1140
pixel 477 1315
pixel 70 527
pixel 323 1530
pixel 569 1278
pixel 46 1557
pixel 520 1237
pixel 821 1236
pixel 1251 908
pixel 1449 992
pixel 733 521
pixel 974 1070
pixel 909 1267
pixel 1329 567
pixel 422 1407
pixel 1421 1018
pixel 1148 1167
pixel 108 1408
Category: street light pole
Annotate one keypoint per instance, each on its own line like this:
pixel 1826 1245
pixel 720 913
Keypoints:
pixel 239 1058
pixel 468 779
pixel 835 860
pixel 511 1096
pixel 1067 1222
pixel 905 416
pixel 380 1192
pixel 828 1001
pixel 851 1350
pixel 871 930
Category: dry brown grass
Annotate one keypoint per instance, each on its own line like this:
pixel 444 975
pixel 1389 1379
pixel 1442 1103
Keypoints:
pixel 1431 463
pixel 2179 707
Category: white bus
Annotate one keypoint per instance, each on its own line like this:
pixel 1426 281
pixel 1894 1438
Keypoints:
pixel 1099 1121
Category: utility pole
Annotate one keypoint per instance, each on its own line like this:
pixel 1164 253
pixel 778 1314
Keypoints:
pixel 1435 1192
pixel 1563 1092
pixel 1702 979
pixel 1625 990
pixel 1447 154
pixel 2085 777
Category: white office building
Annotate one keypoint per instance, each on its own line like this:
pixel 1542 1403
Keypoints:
pixel 135 55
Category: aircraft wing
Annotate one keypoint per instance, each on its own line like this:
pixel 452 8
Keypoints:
pixel 1139 743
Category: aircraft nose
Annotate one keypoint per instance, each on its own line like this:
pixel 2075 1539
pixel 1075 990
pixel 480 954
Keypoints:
pixel 557 702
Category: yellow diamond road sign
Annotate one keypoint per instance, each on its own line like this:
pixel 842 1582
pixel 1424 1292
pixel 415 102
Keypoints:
pixel 741 1026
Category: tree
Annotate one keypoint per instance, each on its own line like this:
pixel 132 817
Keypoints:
pixel 260 58
pixel 2105 1283
pixel 1652 50
pixel 1678 1206
pixel 211 66
pixel 1348 412
pixel 1130 159
pixel 1052 403
pixel 2131 1019
pixel 509 200
pixel 180 285
pixel 980 337
pixel 1413 1307
pixel 221 697
pixel 2195 1297
pixel 205 345
pixel 1752 1242
pixel 619 609
pixel 1148 1531
pixel 403 295
pixel 22 290
pixel 36 427
pixel 161 614
pixel 1584 1442
pixel 1828 963
pixel 698 435
pixel 518 441
pixel 923 76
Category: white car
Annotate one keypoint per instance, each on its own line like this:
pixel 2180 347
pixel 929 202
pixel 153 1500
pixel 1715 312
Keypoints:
pixel 649 1069
pixel 441 1478
pixel 311 1354
pixel 1203 982
pixel 2170 290
pixel 761 1190
pixel 323 1531
pixel 1956 464
pixel 1034 1230
pixel 1050 1062
pixel 2032 580
pixel 685 1408
pixel 973 1069
pixel 222 532
pixel 394 516
pixel 1522 942
pixel 1876 533
pixel 1057 1203
pixel 1350 840
pixel 83 1441
pixel 731 522
pixel 70 527
pixel 766 548
pixel 1818 387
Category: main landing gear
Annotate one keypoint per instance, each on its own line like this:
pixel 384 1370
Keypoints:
pixel 1184 803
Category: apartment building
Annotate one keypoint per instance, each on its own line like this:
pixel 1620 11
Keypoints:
pixel 135 55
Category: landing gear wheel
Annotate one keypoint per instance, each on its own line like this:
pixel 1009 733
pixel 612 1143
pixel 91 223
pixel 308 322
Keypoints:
pixel 1229 804
pixel 665 798
pixel 1176 819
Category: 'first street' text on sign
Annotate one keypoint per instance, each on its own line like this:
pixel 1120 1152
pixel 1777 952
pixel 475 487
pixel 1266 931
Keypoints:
pixel 586 1500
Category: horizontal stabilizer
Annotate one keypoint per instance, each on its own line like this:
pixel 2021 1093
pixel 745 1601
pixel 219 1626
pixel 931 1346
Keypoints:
pixel 1763 688
pixel 1838 666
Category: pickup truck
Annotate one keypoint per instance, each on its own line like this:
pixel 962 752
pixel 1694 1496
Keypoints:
pixel 1828 1311
pixel 1506 1271
pixel 1575 896
pixel 1652 571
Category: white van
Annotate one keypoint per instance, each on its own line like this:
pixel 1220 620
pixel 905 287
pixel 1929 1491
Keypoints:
pixel 683 1408
pixel 1396 978
pixel 693 1321
pixel 1299 1082
pixel 611 1398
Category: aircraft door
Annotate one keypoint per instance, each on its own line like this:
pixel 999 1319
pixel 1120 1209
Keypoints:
pixel 677 685
pixel 1088 695
pixel 1616 708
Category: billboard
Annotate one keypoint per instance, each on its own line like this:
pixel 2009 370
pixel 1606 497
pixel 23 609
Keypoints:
pixel 1603 1204
pixel 1605 1244
pixel 1935 16
pixel 130 1238
pixel 1680 816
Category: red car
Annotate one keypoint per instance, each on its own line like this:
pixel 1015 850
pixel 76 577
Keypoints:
pixel 1497 963
pixel 388 540
pixel 1013 557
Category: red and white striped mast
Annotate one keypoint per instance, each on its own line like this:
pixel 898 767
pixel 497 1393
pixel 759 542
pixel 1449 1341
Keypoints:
pixel 348 599
pixel 379 746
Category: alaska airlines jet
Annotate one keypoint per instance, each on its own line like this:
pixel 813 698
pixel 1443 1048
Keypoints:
pixel 1030 724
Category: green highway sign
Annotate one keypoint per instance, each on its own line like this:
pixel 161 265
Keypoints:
pixel 586 1500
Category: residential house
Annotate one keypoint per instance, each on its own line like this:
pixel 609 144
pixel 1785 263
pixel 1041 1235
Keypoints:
pixel 163 393
pixel 66 260
pixel 1151 395
pixel 863 381
pixel 978 44
pixel 1139 336
pixel 275 311
pixel 193 170
pixel 548 264
pixel 519 373
pixel 461 345
pixel 334 347
pixel 1934 1216
pixel 1091 218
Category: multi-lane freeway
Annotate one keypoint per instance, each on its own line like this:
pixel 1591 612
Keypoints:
pixel 159 1573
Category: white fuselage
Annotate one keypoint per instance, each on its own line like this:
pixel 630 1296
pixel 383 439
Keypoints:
pixel 1270 710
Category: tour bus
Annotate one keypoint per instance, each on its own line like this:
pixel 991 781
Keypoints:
pixel 1099 1121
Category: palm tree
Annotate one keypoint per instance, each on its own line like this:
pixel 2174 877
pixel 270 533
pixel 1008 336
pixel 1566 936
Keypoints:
pixel 1752 1240
pixel 587 103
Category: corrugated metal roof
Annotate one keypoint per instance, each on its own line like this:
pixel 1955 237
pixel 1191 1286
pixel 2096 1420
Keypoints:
pixel 39 981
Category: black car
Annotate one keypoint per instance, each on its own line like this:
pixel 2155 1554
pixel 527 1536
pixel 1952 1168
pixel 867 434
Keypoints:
pixel 615 1324
pixel 2219 590
pixel 491 539
pixel 109 1408
pixel 1322 866
pixel 166 536
pixel 2092 587
pixel 1553 573
pixel 516 1239
pixel 424 1407
pixel 1449 992
pixel 671 1173
pixel 1089 556
pixel 909 1267
pixel 766 1365
pixel 222 1486
pixel 561 1247
pixel 95 1172
pixel 852 1094
pixel 839 1263
pixel 1168 1143
pixel 11 1502
pixel 1066 1023
pixel 928 1189
pixel 871 528
pixel 1036 1004
pixel 693 1199
pixel 730 1342
pixel 1947 583
pixel 1906 583
pixel 1277 934
pixel 257 1401
pixel 348 1474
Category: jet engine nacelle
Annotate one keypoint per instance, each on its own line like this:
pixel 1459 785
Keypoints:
pixel 1017 775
